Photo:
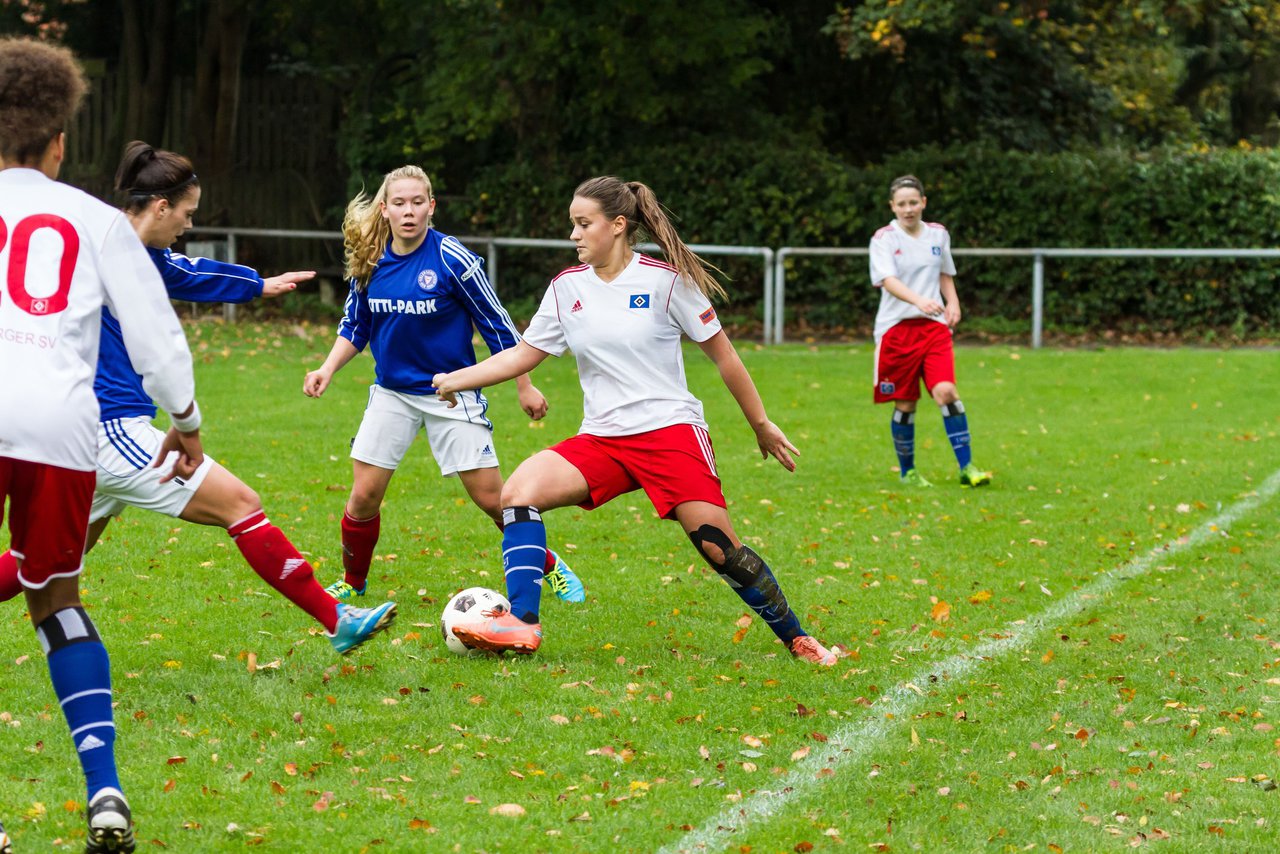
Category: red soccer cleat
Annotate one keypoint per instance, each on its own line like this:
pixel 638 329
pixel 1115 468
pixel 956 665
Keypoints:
pixel 807 648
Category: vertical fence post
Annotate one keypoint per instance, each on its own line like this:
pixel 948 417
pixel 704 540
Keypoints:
pixel 492 263
pixel 229 308
pixel 1037 300
pixel 779 303
pixel 769 285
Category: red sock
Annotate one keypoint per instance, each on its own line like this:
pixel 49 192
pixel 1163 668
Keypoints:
pixel 359 536
pixel 548 563
pixel 10 586
pixel 273 557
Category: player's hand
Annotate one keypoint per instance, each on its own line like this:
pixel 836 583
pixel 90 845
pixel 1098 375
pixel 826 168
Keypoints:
pixel 444 390
pixel 285 282
pixel 773 443
pixel 186 450
pixel 931 307
pixel 953 314
pixel 533 402
pixel 316 382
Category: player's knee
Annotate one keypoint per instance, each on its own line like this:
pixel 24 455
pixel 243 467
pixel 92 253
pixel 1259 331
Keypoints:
pixel 518 492
pixel 944 394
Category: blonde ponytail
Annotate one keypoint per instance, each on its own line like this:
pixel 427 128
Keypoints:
pixel 366 232
pixel 640 207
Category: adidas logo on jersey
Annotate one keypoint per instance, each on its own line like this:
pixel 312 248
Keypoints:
pixel 897 252
pixel 577 306
pixel 289 566
pixel 90 742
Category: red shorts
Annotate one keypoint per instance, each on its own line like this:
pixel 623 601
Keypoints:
pixel 48 518
pixel 672 465
pixel 911 351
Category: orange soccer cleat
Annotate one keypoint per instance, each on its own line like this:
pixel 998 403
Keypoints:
pixel 500 633
pixel 807 648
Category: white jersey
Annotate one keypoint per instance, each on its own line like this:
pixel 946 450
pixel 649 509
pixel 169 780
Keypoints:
pixel 63 254
pixel 625 335
pixel 917 261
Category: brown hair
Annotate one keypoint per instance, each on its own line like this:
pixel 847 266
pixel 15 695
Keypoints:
pixel 365 231
pixel 146 173
pixel 41 86
pixel 905 182
pixel 638 204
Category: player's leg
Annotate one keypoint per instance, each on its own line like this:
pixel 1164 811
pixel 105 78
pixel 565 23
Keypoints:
pixel 940 379
pixel 49 511
pixel 898 368
pixel 543 482
pixel 225 501
pixel 708 526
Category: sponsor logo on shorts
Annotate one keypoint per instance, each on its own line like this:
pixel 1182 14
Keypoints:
pixel 427 279
pixel 887 387
pixel 639 301
pixel 487 450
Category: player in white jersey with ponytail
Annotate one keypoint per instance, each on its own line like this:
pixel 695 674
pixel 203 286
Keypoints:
pixel 416 294
pixel 911 264
pixel 64 255
pixel 623 315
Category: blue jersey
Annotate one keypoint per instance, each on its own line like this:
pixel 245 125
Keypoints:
pixel 118 386
pixel 417 312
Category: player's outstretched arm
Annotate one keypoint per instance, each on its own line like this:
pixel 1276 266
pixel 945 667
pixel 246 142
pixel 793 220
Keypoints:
pixel 498 368
pixel 532 401
pixel 899 289
pixel 772 441
pixel 285 282
pixel 317 381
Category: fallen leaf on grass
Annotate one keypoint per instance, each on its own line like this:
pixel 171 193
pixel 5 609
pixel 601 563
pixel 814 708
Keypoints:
pixel 508 810
pixel 941 612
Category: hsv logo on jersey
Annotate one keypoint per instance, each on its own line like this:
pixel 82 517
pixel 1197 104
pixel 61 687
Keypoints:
pixel 577 306
pixel 937 250
pixel 639 301
pixel 707 316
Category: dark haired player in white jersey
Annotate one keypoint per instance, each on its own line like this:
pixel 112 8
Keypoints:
pixel 64 255
pixel 415 296
pixel 622 314
pixel 911 264
pixel 161 194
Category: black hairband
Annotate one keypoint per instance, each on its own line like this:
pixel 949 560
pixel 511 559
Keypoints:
pixel 146 194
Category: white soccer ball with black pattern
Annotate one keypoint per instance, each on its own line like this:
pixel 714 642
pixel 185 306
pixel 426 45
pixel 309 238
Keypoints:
pixel 467 607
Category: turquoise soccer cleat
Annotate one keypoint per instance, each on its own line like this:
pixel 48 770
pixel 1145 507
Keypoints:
pixel 565 582
pixel 357 625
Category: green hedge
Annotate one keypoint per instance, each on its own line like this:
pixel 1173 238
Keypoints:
pixel 743 194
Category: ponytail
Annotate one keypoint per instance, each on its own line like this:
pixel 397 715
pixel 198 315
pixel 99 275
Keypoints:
pixel 638 204
pixel 366 232
pixel 146 173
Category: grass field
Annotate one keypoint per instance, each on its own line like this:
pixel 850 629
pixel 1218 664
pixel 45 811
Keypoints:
pixel 1078 658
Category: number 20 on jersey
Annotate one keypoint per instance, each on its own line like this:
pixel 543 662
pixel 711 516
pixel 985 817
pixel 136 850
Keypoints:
pixel 19 244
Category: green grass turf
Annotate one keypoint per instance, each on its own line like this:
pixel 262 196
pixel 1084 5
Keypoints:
pixel 1140 714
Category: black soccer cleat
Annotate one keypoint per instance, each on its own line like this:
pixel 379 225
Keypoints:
pixel 110 824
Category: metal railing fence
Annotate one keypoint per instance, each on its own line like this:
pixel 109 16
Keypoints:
pixel 773 279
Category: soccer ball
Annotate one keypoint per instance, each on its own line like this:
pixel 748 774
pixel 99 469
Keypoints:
pixel 469 607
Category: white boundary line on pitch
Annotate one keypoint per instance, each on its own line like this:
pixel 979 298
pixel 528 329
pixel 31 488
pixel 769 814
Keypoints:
pixel 855 740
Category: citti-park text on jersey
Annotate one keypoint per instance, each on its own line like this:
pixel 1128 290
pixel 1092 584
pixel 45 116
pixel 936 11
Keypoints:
pixel 402 306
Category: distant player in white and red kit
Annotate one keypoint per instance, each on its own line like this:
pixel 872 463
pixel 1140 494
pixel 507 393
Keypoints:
pixel 416 295
pixel 911 264
pixel 161 194
pixel 64 255
pixel 623 314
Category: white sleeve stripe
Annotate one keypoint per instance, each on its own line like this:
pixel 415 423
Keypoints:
pixel 172 255
pixel 476 273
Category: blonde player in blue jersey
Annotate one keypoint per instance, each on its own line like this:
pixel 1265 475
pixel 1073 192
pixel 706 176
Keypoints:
pixel 415 296
pixel 623 315
pixel 911 264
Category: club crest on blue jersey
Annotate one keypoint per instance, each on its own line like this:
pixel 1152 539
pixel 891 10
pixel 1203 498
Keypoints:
pixel 937 250
pixel 427 279
pixel 638 301
pixel 887 387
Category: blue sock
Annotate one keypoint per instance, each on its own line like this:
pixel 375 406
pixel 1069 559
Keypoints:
pixel 524 553
pixel 957 425
pixel 904 439
pixel 81 675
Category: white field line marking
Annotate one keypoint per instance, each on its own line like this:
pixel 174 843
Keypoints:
pixel 856 739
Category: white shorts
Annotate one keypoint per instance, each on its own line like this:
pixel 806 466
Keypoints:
pixel 461 438
pixel 126 447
